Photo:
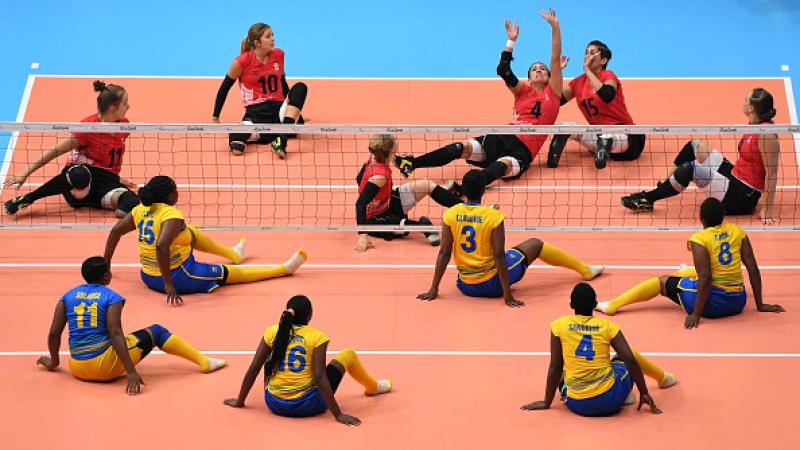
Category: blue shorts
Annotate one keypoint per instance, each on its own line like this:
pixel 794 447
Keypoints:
pixel 720 303
pixel 190 277
pixel 492 287
pixel 309 404
pixel 610 401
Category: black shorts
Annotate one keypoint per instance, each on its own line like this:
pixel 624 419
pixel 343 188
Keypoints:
pixel 393 216
pixel 635 148
pixel 740 199
pixel 265 112
pixel 103 182
pixel 496 146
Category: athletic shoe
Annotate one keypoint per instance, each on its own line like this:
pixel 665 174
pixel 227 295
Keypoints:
pixel 214 364
pixel 557 144
pixel 384 386
pixel 237 147
pixel 601 156
pixel 279 146
pixel 295 261
pixel 594 272
pixel 637 202
pixel 405 164
pixel 603 308
pixel 668 381
pixel 14 205
pixel 239 250
pixel 433 238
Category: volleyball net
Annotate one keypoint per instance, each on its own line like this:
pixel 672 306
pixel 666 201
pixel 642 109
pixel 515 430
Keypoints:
pixel 315 187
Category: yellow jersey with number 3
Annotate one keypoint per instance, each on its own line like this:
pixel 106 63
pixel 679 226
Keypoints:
pixel 295 374
pixel 148 221
pixel 472 227
pixel 586 344
pixel 724 245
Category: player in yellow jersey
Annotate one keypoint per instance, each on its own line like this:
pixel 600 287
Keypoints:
pixel 166 242
pixel 297 382
pixel 99 349
pixel 476 233
pixel 715 288
pixel 594 383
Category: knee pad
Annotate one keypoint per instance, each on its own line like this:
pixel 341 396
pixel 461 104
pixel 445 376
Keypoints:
pixel 514 167
pixel 686 154
pixel 478 154
pixel 683 175
pixel 160 334
pixel 495 170
pixel 297 95
pixel 454 150
pixel 127 201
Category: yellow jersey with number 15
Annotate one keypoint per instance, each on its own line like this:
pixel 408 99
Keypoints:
pixel 472 227
pixel 724 245
pixel 148 221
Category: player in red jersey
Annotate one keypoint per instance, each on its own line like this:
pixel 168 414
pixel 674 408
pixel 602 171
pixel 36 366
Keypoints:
pixel 738 186
pixel 536 102
pixel 380 203
pixel 91 176
pixel 266 94
pixel 598 93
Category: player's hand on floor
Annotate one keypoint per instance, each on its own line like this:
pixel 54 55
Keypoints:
pixel 430 295
pixel 233 402
pixel 541 404
pixel 364 243
pixel 646 399
pixel 691 321
pixel 15 180
pixel 348 419
pixel 47 363
pixel 134 383
pixel 771 308
pixel 514 303
pixel 173 298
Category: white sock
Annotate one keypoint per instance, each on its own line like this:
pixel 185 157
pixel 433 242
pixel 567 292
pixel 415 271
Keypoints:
pixel 295 261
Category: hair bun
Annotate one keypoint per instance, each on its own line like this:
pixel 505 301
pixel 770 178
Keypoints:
pixel 99 86
pixel 146 196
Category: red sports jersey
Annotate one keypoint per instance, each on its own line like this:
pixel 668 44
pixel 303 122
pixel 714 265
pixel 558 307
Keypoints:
pixel 260 82
pixel 379 204
pixel 750 166
pixel 102 150
pixel 594 109
pixel 535 108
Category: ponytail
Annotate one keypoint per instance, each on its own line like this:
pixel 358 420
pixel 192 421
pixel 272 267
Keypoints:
pixel 157 190
pixel 298 311
pixel 762 102
pixel 253 34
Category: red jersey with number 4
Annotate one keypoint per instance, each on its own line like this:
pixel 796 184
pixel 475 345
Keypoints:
pixel 535 108
pixel 102 150
pixel 261 82
pixel 594 109
pixel 379 204
pixel 750 166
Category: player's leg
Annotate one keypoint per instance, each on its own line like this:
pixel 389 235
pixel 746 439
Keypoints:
pixel 646 290
pixel 409 194
pixel 471 149
pixel 202 242
pixel 58 185
pixel 654 372
pixel 238 274
pixel 289 113
pixel 554 256
pixel 176 345
pixel 348 361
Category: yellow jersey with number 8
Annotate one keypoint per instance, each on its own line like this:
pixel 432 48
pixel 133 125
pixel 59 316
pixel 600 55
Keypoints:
pixel 148 221
pixel 724 245
pixel 472 227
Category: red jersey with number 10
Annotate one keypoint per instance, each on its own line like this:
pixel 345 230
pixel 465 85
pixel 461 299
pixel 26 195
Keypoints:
pixel 101 150
pixel 594 109
pixel 535 108
pixel 261 82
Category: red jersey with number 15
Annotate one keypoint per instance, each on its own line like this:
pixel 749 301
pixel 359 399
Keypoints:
pixel 261 82
pixel 535 108
pixel 101 150
pixel 594 109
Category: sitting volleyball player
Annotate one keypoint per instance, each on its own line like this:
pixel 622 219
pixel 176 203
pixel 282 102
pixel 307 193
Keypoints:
pixel 99 349
pixel 477 235
pixel 594 384
pixel 380 203
pixel 716 287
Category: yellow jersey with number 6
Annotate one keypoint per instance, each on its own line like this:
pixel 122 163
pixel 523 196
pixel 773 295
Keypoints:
pixel 148 221
pixel 472 227
pixel 586 344
pixel 295 373
pixel 724 245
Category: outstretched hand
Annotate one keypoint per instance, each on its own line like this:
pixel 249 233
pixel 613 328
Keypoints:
pixel 564 62
pixel 550 17
pixel 512 29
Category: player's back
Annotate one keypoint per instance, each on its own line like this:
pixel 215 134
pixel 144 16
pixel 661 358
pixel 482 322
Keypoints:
pixel 149 221
pixel 295 375
pixel 585 344
pixel 724 245
pixel 472 226
pixel 87 306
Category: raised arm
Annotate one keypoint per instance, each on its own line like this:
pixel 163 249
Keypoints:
pixel 702 263
pixel 54 337
pixel 771 156
pixel 63 146
pixel 373 186
pixel 554 372
pixel 749 261
pixel 262 353
pixel 114 325
pixel 556 74
pixel 499 252
pixel 169 231
pixel 504 67
pixel 624 351
pixel 445 252
pixel 234 72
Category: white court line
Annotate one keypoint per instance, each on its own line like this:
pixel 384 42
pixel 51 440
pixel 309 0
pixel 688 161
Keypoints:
pixel 459 353
pixel 672 267
pixel 218 77
pixel 787 82
pixel 12 143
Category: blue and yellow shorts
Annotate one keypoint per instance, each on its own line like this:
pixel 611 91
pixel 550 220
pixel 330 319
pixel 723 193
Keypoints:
pixel 720 303
pixel 190 277
pixel 607 403
pixel 107 365
pixel 309 404
pixel 517 265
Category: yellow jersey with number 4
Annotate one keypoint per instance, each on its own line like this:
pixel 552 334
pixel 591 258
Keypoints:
pixel 472 227
pixel 148 221
pixel 295 374
pixel 724 245
pixel 586 344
